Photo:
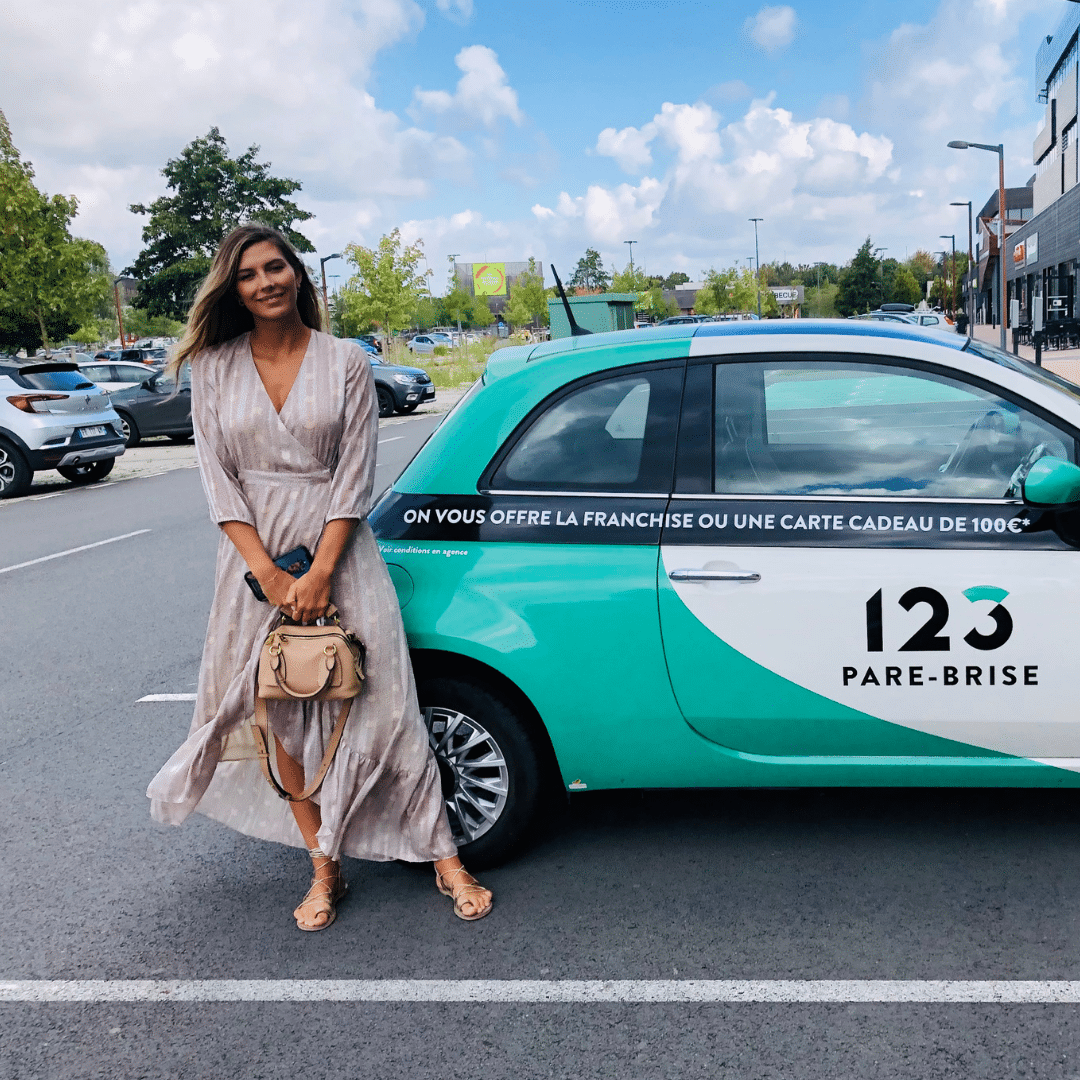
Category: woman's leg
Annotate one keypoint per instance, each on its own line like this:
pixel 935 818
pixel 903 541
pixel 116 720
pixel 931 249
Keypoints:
pixel 316 908
pixel 471 900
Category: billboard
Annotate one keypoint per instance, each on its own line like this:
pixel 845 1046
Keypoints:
pixel 489 279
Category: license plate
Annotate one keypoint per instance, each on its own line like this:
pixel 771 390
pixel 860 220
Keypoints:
pixel 91 432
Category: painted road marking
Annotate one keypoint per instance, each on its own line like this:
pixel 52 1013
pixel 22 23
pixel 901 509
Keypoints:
pixel 166 697
pixel 396 438
pixel 73 551
pixel 548 991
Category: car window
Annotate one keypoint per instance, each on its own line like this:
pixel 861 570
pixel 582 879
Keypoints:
pixel 838 428
pixel 66 379
pixel 611 434
pixel 100 373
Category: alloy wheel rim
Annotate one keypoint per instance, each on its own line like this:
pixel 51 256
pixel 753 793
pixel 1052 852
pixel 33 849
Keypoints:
pixel 7 470
pixel 476 767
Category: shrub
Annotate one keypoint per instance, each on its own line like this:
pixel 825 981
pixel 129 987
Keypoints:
pixel 441 350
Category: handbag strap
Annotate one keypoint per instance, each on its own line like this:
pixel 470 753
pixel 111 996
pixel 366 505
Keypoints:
pixel 263 731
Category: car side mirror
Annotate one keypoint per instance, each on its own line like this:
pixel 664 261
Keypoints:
pixel 148 384
pixel 1051 484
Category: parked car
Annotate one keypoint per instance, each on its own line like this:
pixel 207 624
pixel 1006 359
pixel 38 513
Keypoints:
pixel 400 389
pixel 683 320
pixel 53 417
pixel 778 553
pixel 372 341
pixel 425 344
pixel 152 408
pixel 118 375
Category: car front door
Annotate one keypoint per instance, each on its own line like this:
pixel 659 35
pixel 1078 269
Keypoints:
pixel 844 574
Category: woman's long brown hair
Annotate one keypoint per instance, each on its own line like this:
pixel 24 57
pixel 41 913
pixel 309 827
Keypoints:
pixel 217 314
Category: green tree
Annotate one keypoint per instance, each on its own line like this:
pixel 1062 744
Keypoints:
pixel 732 290
pixel 905 289
pixel 50 282
pixel 386 288
pixel 213 194
pixel 673 281
pixel 589 274
pixel 860 283
pixel 528 299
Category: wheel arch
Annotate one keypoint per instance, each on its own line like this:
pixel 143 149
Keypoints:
pixel 439 663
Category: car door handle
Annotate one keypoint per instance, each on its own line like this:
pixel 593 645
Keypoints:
pixel 714 575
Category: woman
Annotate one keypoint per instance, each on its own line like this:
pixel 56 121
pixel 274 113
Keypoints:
pixel 285 429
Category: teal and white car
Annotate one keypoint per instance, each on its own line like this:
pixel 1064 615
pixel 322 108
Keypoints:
pixel 743 554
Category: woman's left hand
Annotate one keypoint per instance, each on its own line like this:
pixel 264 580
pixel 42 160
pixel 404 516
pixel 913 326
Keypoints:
pixel 308 597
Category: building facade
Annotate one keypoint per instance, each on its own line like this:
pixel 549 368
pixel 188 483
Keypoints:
pixel 1041 253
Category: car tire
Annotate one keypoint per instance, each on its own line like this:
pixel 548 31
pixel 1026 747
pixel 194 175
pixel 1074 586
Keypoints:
pixel 90 473
pixel 180 439
pixel 502 755
pixel 386 402
pixel 131 430
pixel 15 472
pixel 406 409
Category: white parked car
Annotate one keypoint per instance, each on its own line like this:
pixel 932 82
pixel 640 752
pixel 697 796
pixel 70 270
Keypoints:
pixel 117 374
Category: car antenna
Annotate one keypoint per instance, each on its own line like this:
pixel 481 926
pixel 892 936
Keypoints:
pixel 575 330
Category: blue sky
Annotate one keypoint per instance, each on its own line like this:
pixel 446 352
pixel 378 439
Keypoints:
pixel 504 130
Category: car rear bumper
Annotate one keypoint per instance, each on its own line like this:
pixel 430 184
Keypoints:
pixel 81 452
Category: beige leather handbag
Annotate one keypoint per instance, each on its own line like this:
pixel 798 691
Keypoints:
pixel 306 663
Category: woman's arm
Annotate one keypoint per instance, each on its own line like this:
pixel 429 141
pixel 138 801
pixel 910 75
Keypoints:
pixel 309 595
pixel 274 581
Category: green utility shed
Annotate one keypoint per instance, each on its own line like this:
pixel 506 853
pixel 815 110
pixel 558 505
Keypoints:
pixel 599 313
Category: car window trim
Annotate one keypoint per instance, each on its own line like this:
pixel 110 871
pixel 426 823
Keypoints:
pixel 579 494
pixel 688 446
pixel 725 496
pixel 483 485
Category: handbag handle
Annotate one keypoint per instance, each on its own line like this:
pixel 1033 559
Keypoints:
pixel 330 659
pixel 330 613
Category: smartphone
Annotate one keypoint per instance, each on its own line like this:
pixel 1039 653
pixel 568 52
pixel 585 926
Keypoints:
pixel 296 562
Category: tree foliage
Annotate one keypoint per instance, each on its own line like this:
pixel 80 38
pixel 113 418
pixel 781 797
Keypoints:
pixel 213 193
pixel 386 288
pixel 905 289
pixel 732 290
pixel 589 275
pixel 860 283
pixel 673 281
pixel 50 282
pixel 528 303
pixel 649 291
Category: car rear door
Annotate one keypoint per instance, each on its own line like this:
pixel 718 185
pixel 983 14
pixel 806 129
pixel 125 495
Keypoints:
pixel 844 576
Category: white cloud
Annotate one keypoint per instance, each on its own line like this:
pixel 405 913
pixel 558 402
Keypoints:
pixel 482 94
pixel 629 147
pixel 460 11
pixel 772 27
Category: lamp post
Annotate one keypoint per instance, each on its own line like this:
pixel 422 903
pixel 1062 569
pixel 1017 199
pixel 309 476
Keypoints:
pixel 952 290
pixel 631 243
pixel 971 271
pixel 325 300
pixel 757 258
pixel 959 144
pixel 453 260
pixel 944 255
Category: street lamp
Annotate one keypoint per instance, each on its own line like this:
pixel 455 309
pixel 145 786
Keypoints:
pixel 971 271
pixel 952 290
pixel 631 243
pixel 959 144
pixel 453 260
pixel 322 270
pixel 757 257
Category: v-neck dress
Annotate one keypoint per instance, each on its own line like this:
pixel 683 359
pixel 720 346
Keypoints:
pixel 287 475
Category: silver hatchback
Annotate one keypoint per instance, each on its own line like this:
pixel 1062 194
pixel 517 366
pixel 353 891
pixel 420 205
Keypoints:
pixel 53 417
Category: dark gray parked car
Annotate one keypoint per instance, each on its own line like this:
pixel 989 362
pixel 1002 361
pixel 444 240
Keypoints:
pixel 153 409
pixel 400 389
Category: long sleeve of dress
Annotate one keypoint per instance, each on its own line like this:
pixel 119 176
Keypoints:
pixel 217 468
pixel 354 473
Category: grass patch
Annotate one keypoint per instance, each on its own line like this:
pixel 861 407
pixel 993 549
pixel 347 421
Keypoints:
pixel 460 366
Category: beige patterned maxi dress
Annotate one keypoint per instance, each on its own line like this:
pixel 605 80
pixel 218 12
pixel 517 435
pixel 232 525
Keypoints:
pixel 287 475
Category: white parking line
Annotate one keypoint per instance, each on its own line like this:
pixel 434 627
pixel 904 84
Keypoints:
pixel 73 551
pixel 551 991
pixel 166 697
pixel 396 438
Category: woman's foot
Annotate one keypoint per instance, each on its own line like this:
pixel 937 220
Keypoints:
pixel 318 909
pixel 471 900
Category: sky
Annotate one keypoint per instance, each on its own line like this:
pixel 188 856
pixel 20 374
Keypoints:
pixel 503 130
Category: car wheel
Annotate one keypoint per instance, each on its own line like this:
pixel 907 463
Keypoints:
pixel 90 473
pixel 130 429
pixel 489 767
pixel 179 439
pixel 386 403
pixel 15 472
pixel 406 409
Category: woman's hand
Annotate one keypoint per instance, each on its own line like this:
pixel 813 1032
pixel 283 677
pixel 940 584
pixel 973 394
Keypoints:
pixel 276 585
pixel 308 597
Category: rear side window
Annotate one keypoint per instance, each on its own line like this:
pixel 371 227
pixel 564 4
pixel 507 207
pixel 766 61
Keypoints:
pixel 608 435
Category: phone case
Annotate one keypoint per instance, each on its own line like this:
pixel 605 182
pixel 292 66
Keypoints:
pixel 296 562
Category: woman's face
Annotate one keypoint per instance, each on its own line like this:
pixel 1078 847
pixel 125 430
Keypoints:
pixel 265 282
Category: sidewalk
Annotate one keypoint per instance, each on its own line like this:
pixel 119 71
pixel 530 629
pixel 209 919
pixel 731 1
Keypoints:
pixel 1063 362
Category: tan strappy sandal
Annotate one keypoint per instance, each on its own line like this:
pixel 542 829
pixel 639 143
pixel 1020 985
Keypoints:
pixel 465 891
pixel 329 891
